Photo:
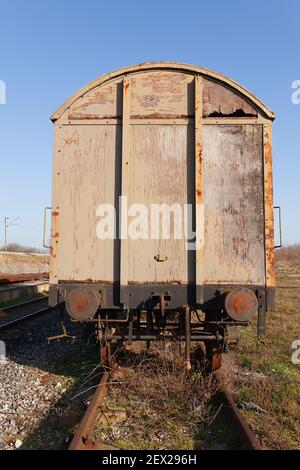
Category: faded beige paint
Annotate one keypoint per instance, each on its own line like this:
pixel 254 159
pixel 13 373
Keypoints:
pixel 84 178
pixel 101 103
pixel 159 94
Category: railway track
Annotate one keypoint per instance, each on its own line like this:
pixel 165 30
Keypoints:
pixel 248 438
pixel 83 440
pixel 16 314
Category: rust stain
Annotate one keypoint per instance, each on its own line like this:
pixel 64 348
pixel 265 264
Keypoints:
pixel 160 116
pixel 199 173
pixel 133 283
pixel 84 281
pixel 74 139
pixel 269 216
pixel 90 116
pixel 172 281
pixel 241 304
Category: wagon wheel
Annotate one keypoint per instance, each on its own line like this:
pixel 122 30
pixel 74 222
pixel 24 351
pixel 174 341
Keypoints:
pixel 213 360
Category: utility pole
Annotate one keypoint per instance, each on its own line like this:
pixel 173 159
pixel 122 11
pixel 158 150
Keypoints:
pixel 6 225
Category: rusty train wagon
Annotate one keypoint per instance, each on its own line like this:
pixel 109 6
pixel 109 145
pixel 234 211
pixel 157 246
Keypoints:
pixel 170 137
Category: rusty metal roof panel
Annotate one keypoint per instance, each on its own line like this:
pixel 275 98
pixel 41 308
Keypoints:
pixel 151 66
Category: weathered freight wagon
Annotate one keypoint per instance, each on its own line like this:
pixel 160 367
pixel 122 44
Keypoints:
pixel 162 210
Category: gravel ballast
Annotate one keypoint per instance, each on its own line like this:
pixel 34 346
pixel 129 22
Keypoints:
pixel 38 381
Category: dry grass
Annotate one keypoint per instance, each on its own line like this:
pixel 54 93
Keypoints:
pixel 166 407
pixel 264 373
pixel 288 253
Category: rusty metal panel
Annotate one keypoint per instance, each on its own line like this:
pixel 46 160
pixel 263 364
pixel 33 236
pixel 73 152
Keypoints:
pixel 162 94
pixel 269 211
pixel 220 101
pixel 233 204
pixel 104 102
pixel 174 67
pixel 85 176
pixel 161 171
pixel 199 187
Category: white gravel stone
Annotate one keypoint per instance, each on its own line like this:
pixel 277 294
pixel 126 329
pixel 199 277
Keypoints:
pixel 29 388
pixel 18 443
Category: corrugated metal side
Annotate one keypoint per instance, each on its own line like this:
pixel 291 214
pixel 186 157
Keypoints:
pixel 234 204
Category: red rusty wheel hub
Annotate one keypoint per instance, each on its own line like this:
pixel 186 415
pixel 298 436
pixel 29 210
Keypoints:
pixel 82 303
pixel 241 304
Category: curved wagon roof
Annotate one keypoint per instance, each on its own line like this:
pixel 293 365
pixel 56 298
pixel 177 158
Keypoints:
pixel 181 67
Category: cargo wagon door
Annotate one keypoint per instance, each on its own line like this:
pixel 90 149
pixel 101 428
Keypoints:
pixel 157 176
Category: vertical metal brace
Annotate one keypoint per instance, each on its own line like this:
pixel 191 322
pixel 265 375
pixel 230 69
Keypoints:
pixel 125 191
pixel 187 314
pixel 268 205
pixel 55 258
pixel 199 207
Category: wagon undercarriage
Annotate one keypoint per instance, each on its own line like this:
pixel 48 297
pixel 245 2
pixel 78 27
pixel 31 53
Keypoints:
pixel 212 326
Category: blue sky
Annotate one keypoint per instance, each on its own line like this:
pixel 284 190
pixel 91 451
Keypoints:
pixel 49 49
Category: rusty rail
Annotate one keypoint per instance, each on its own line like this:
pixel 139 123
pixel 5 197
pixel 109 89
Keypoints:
pixel 249 439
pixel 82 439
